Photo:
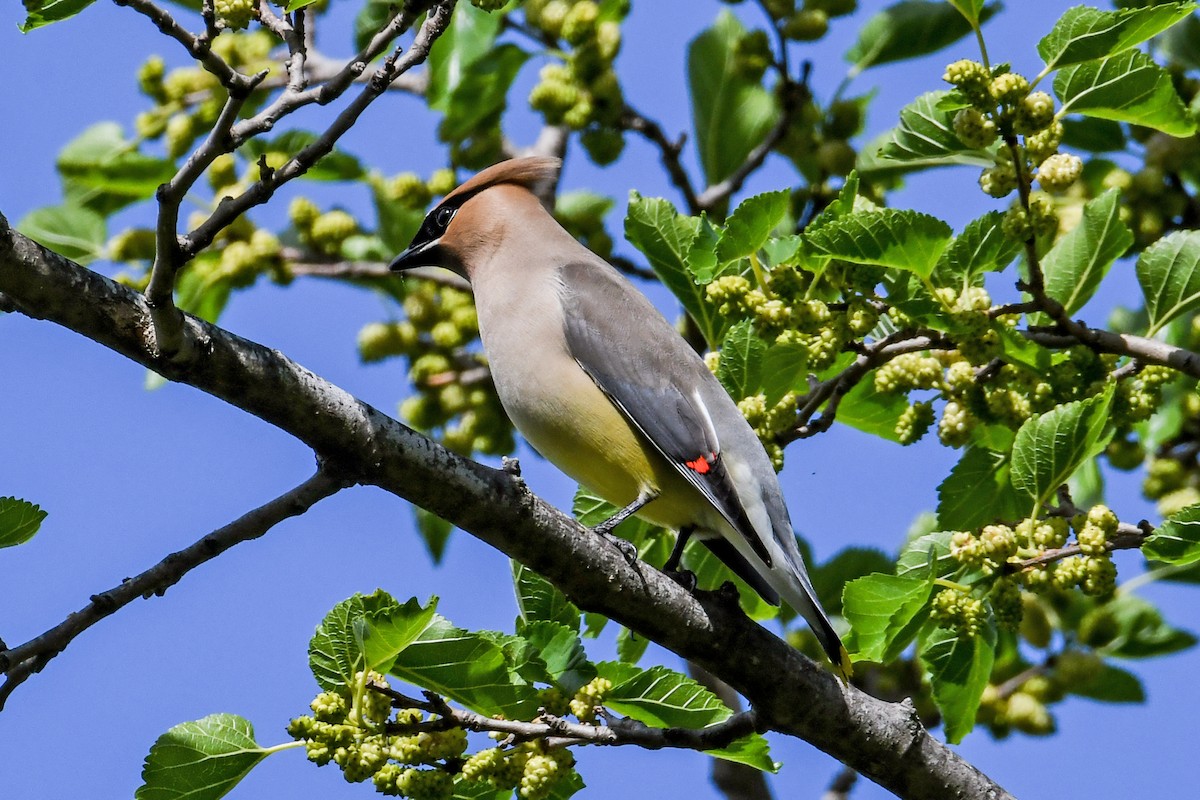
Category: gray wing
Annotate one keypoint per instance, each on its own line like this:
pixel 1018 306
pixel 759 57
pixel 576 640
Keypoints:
pixel 646 368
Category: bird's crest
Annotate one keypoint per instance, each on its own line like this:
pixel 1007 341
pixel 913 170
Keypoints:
pixel 534 173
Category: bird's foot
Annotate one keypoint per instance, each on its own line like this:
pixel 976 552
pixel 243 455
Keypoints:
pixel 728 594
pixel 684 577
pixel 628 550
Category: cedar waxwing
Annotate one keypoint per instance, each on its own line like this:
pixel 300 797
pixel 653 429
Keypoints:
pixel 602 385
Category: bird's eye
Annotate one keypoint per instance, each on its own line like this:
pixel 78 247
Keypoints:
pixel 443 216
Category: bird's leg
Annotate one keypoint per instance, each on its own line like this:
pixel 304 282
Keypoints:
pixel 684 578
pixel 606 527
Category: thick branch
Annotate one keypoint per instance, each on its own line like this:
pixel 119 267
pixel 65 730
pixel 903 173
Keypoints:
pixel 18 663
pixel 789 693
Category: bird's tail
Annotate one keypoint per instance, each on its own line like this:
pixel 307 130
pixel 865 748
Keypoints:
pixel 797 592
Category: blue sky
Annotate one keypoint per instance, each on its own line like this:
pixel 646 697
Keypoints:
pixel 129 475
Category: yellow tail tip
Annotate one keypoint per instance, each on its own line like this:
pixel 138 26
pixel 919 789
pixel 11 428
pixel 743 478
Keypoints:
pixel 844 668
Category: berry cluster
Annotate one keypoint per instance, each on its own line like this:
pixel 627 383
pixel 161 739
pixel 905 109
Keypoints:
pixel 583 92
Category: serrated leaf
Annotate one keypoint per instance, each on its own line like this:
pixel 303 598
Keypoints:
pixel 731 114
pixel 740 369
pixel 1128 87
pixel 981 247
pixel 782 250
pixel 909 29
pixel 830 578
pixel 1141 630
pixel 470 34
pixel 200 760
pixel 472 668
pixel 540 600
pixel 661 697
pixel 885 613
pixel 905 240
pixel 1079 260
pixel 482 92
pixel 978 491
pixel 747 228
pixel 666 238
pixel 1169 274
pixel 927 556
pixel 19 521
pixel 364 632
pixel 1110 685
pixel 44 12
pixel 969 9
pixel 925 138
pixel 1083 33
pixel 72 231
pixel 871 411
pixel 1051 446
pixel 562 652
pixel 1175 541
pixel 753 751
pixel 958 671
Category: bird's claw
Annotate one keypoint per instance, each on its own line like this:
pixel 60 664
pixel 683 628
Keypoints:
pixel 628 550
pixel 684 577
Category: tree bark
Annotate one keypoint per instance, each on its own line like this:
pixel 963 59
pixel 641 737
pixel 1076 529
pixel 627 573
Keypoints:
pixel 882 741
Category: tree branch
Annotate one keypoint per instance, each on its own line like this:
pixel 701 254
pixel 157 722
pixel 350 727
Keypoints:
pixel 631 120
pixel 789 693
pixel 197 46
pixel 18 663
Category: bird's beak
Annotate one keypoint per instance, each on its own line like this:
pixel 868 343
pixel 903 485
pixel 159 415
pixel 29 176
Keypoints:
pixel 425 254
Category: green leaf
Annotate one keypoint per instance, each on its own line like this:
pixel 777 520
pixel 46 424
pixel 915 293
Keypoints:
pixel 1084 34
pixel 1095 135
pixel 630 646
pixel 1182 43
pixel 1128 87
pixel 72 231
pixel 19 521
pixel 978 491
pixel 731 114
pixel 435 532
pixel 103 171
pixel 661 697
pixel 711 573
pixel 981 247
pixel 199 289
pixel 200 760
pixel 1175 541
pixel 959 671
pixel 905 240
pixel 926 138
pixel 1110 685
pixel 43 12
pixel 784 369
pixel 885 613
pixel 364 632
pixel 471 668
pixel 909 29
pixel 540 600
pixel 1169 273
pixel 1079 260
pixel 397 222
pixel 747 228
pixel 830 578
pixel 333 166
pixel 752 750
pixel 1050 447
pixel 667 238
pixel 927 556
pixel 1141 630
pixel 372 16
pixel 969 9
pixel 590 510
pixel 740 369
pixel 482 92
pixel 870 411
pixel 296 5
pixel 562 652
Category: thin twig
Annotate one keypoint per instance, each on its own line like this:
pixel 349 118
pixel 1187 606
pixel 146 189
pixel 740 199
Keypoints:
pixel 617 731
pixel 841 785
pixel 18 663
pixel 829 393
pixel 398 62
pixel 1127 537
pixel 632 120
pixel 198 47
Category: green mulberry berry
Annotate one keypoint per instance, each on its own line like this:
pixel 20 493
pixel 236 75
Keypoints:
pixel 974 128
pixel 1059 171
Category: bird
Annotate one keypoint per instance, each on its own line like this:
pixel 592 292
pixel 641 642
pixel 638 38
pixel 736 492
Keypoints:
pixel 599 383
